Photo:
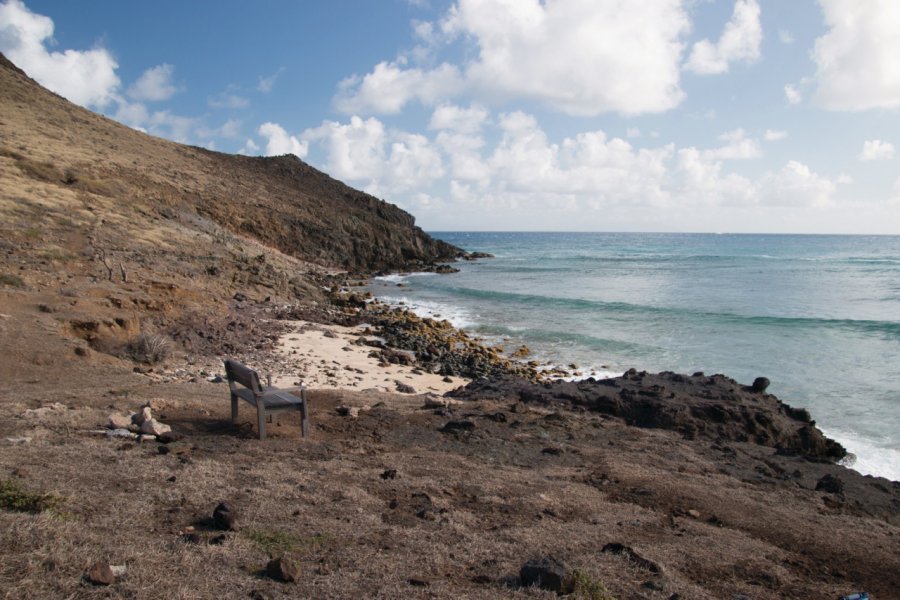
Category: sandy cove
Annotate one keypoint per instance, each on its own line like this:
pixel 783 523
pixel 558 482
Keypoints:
pixel 330 357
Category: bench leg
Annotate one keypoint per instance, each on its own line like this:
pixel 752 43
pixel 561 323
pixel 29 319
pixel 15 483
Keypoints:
pixel 261 419
pixel 304 414
pixel 234 409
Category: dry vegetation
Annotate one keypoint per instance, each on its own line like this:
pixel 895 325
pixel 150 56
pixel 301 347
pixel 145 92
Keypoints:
pixel 385 505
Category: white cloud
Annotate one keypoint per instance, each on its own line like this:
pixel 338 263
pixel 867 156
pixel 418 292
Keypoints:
pixel 174 127
pixel 774 135
pixel 792 94
pixel 463 120
pixel 226 100
pixel 857 57
pixel 279 142
pixel 785 36
pixel 265 84
pixel 85 77
pixel 250 147
pixel 633 132
pixel 796 185
pixel 575 56
pixel 876 150
pixel 154 85
pixel 413 163
pixel 739 42
pixel 390 86
pixel 354 150
pixel 739 146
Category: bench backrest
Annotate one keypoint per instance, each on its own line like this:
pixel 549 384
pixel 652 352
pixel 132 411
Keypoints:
pixel 242 374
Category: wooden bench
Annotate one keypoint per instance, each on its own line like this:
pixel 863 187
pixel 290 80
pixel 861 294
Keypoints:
pixel 244 383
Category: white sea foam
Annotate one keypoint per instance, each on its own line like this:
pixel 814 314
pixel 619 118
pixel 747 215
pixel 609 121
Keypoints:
pixel 871 458
pixel 457 317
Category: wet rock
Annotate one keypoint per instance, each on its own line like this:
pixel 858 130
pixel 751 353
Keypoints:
pixel 224 516
pixel 100 574
pixel 548 573
pixel 282 569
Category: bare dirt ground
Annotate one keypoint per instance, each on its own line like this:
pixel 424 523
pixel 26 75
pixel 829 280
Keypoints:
pixel 391 503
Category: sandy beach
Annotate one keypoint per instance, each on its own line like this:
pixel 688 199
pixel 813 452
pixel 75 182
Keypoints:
pixel 330 357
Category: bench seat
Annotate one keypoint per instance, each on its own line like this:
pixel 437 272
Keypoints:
pixel 244 385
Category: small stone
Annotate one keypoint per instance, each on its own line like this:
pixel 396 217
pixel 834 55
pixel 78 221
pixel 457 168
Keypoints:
pixel 694 513
pixel 404 388
pixel 100 574
pixel 118 421
pixel 146 437
pixel 548 573
pixel 224 515
pixel 389 474
pixel 154 427
pixel 348 411
pixel 282 569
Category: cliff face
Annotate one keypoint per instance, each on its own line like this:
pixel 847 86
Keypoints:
pixel 281 202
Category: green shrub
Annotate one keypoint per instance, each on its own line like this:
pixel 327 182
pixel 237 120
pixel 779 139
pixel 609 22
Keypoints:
pixel 14 498
pixel 149 348
pixel 11 280
pixel 589 588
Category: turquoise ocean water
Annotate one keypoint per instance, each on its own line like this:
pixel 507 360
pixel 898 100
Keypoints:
pixel 818 315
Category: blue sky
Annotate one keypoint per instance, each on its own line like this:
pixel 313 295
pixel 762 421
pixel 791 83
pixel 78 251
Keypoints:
pixel 598 115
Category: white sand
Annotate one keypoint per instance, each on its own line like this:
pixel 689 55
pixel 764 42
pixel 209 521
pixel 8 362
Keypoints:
pixel 327 357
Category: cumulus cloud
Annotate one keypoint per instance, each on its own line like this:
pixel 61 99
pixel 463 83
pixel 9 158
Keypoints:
pixel 738 146
pixel 877 150
pixel 740 41
pixel 463 120
pixel 154 85
pixel 86 77
pixel 576 56
pixel 389 86
pixel 228 100
pixel 792 94
pixel 279 142
pixel 796 185
pixel 774 135
pixel 856 59
pixel 381 161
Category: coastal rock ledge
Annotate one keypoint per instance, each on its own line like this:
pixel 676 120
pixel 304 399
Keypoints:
pixel 697 406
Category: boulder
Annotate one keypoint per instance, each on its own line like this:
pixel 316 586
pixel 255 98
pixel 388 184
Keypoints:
pixel 282 569
pixel 100 574
pixel 118 421
pixel 154 427
pixel 548 573
pixel 224 516
pixel 760 384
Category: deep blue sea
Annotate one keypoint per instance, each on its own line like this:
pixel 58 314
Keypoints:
pixel 818 315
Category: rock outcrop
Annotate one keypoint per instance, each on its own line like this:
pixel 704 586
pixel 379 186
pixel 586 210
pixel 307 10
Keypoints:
pixel 713 407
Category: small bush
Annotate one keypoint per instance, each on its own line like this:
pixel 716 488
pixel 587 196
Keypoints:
pixel 589 588
pixel 11 280
pixel 14 498
pixel 40 170
pixel 149 348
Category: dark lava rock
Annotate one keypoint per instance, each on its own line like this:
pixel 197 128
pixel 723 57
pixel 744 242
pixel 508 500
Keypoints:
pixel 170 437
pixel 548 573
pixel 454 426
pixel 715 408
pixel 100 574
pixel 282 569
pixel 224 516
pixel 389 474
pixel 831 484
pixel 760 384
pixel 404 388
pixel 629 553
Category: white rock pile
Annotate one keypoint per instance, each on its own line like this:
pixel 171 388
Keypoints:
pixel 140 426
